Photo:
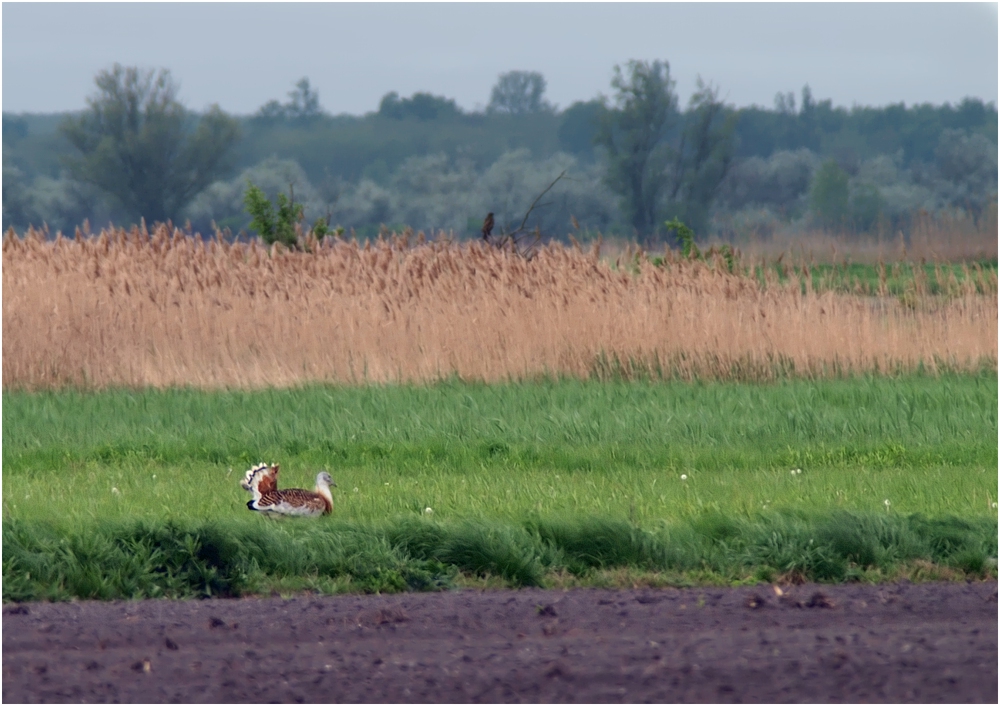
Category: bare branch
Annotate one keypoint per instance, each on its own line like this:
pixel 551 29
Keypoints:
pixel 515 238
pixel 537 199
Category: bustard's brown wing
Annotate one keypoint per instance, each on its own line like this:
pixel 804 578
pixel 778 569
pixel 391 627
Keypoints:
pixel 293 501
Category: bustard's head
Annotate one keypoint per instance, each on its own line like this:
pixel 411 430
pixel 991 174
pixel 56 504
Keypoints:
pixel 325 479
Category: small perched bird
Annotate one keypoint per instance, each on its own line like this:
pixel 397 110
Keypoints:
pixel 262 482
pixel 488 226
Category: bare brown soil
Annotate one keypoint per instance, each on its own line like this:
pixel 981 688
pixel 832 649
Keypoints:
pixel 900 643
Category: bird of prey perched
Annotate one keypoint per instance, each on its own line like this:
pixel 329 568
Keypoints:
pixel 488 226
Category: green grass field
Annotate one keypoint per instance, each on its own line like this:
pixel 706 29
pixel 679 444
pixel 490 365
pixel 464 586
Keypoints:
pixel 892 279
pixel 897 278
pixel 688 482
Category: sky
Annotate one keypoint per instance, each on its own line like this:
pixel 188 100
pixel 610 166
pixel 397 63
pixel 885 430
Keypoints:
pixel 241 55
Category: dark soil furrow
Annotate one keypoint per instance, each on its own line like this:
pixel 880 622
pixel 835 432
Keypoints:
pixel 902 642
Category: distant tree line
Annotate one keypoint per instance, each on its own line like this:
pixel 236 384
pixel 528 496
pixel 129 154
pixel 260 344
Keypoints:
pixel 634 159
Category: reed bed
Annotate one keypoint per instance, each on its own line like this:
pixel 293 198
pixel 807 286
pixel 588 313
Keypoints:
pixel 159 308
pixel 944 237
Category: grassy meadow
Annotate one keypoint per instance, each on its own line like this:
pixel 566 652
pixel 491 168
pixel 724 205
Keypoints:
pixel 671 479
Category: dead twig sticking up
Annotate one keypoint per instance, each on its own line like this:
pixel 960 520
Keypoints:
pixel 519 240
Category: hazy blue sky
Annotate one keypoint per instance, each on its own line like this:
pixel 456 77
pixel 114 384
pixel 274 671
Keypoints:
pixel 242 55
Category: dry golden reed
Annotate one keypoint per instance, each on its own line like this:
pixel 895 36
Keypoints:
pixel 946 237
pixel 160 309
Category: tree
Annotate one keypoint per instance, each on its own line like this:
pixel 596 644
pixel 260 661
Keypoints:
pixel 866 204
pixel 15 129
pixel 304 103
pixel 270 226
pixel 633 132
pixel 830 192
pixel 422 106
pixel 702 159
pixel 518 93
pixel 660 164
pixel 578 126
pixel 302 106
pixel 136 143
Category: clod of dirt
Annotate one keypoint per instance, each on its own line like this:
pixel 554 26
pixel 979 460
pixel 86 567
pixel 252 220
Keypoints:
pixel 557 669
pixel 171 645
pixel 756 601
pixel 548 610
pixel 647 598
pixel 820 600
pixel 214 622
pixel 838 659
pixel 142 666
pixel 18 610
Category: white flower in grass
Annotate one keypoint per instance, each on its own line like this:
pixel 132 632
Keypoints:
pixel 355 490
pixel 887 503
pixel 796 471
pixel 428 511
pixel 115 491
pixel 994 505
pixel 387 484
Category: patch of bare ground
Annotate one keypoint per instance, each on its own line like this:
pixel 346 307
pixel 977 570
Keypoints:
pixel 887 643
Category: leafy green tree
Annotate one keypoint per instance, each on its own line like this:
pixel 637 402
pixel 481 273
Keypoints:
pixel 702 159
pixel 578 127
pixel 136 143
pixel 14 129
pixel 659 164
pixel 633 131
pixel 518 93
pixel 830 194
pixel 302 106
pixel 422 106
pixel 273 226
pixel 281 225
pixel 866 205
pixel 304 101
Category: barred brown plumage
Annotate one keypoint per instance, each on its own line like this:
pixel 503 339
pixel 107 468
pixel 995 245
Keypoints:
pixel 261 480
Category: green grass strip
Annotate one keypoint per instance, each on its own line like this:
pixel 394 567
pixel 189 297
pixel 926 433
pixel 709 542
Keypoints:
pixel 634 451
pixel 138 559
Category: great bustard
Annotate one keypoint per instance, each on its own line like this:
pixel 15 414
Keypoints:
pixel 262 481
